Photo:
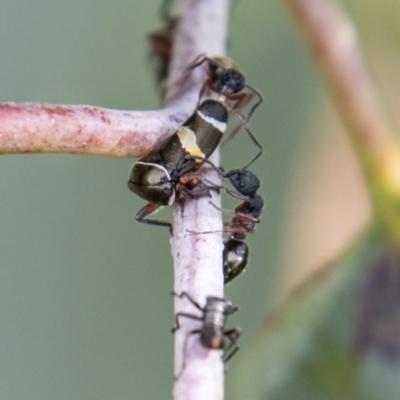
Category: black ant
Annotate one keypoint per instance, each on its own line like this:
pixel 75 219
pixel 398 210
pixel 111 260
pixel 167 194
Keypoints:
pixel 246 214
pixel 225 79
pixel 212 332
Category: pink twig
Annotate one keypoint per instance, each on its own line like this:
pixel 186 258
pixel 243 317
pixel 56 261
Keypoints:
pixel 55 128
pixel 83 129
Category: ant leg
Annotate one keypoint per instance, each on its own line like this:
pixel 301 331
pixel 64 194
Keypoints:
pixel 223 175
pixel 182 314
pixel 190 298
pixel 218 170
pixel 188 194
pixel 210 60
pixel 184 353
pixel 200 59
pixel 147 210
pixel 260 100
pixel 243 123
pixel 233 336
pixel 241 101
pixel 245 98
pixel 235 194
pixel 232 193
pixel 238 214
pixel 187 315
pixel 233 230
pixel 227 211
pixel 206 85
pixel 234 132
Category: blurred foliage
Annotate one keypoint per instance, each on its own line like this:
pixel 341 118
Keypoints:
pixel 84 290
pixel 335 337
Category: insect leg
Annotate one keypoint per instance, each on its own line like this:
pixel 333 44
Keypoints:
pixel 147 210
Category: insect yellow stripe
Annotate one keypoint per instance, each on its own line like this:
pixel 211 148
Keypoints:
pixel 188 142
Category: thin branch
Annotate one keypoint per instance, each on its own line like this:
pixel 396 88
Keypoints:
pixel 332 40
pixel 197 257
pixel 55 128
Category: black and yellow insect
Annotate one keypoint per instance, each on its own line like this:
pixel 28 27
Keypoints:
pixel 170 170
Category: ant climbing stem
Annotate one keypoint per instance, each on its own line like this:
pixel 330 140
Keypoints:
pixel 225 79
pixel 245 216
pixel 212 332
pixel 243 124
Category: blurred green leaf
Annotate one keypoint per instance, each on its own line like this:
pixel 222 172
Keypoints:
pixel 335 337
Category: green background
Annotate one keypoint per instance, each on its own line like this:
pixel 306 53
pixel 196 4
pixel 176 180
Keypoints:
pixel 85 310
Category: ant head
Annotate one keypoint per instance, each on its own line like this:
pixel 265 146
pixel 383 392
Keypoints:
pixel 245 182
pixel 230 81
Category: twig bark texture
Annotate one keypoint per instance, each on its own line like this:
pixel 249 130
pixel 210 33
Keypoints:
pixel 198 257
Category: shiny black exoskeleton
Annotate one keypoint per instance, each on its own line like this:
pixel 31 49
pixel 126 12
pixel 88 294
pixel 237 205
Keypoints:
pixel 235 257
pixel 212 332
pixel 244 181
pixel 246 215
pixel 167 171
